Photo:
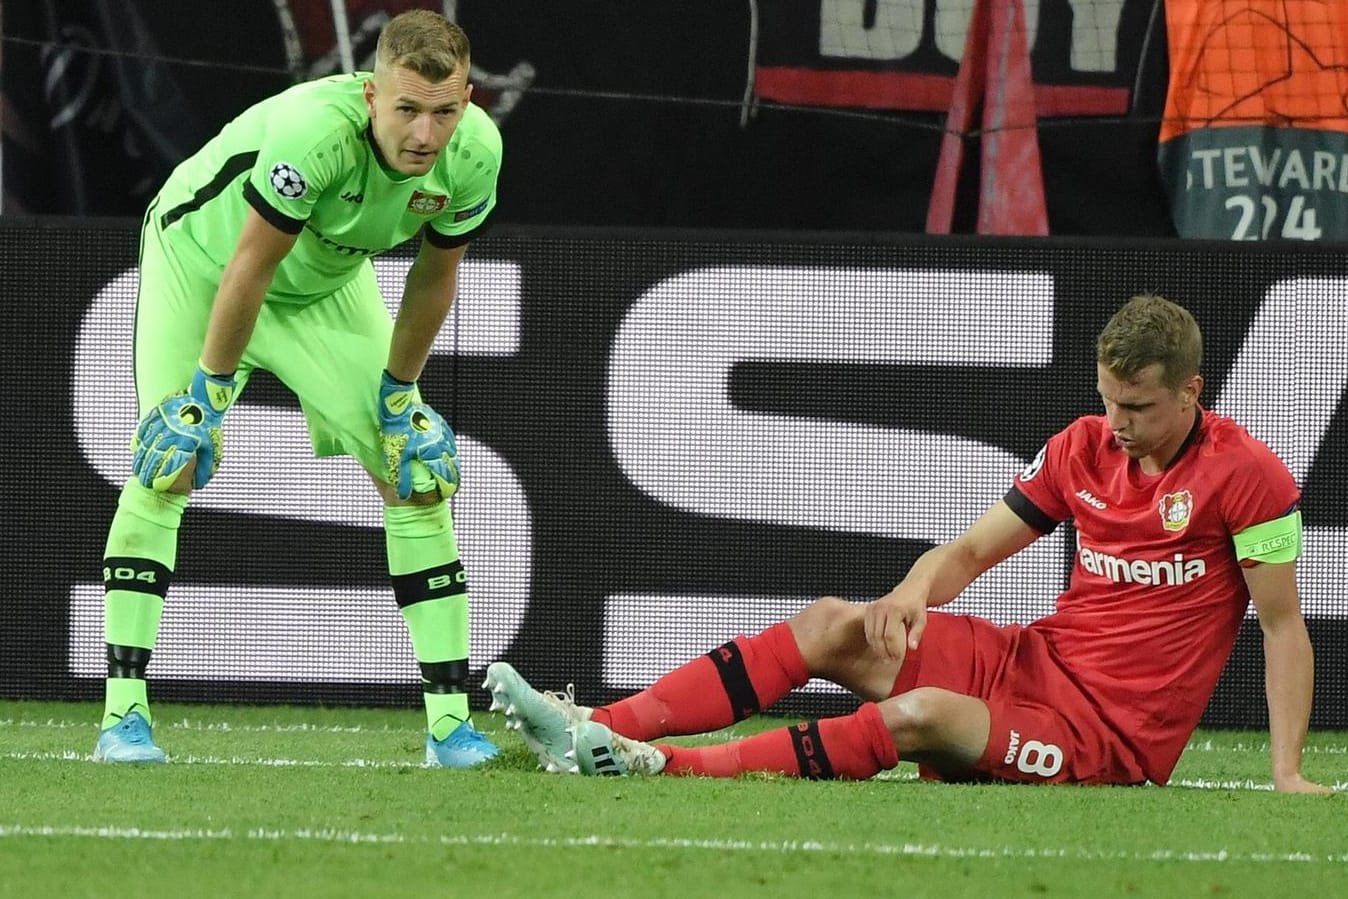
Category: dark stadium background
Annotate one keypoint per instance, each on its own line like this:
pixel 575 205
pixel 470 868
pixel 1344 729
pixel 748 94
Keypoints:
pixel 595 539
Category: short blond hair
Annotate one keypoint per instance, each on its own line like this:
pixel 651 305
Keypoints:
pixel 424 42
pixel 1151 330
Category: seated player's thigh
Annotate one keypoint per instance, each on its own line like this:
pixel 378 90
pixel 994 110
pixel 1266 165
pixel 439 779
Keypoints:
pixel 1065 742
pixel 959 653
pixel 1043 728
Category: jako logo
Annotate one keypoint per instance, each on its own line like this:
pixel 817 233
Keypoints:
pixel 1178 570
pixel 1012 747
pixel 1090 499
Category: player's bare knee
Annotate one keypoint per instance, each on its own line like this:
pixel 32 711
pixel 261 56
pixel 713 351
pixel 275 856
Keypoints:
pixel 821 628
pixel 937 726
pixel 389 494
pixel 915 717
pixel 386 491
pixel 420 499
pixel 832 638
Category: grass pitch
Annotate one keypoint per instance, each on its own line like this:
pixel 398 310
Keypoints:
pixel 310 802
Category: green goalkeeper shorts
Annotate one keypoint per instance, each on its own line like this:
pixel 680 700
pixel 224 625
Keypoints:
pixel 330 352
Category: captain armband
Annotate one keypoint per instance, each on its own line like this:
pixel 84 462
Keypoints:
pixel 1278 540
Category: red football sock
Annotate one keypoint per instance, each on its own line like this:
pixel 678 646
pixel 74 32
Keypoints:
pixel 726 685
pixel 853 747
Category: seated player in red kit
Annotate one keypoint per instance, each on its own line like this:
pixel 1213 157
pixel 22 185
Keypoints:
pixel 1182 519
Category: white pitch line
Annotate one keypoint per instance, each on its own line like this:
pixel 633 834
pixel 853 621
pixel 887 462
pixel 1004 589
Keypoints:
pixel 895 775
pixel 188 724
pixel 224 726
pixel 787 847
pixel 72 756
pixel 1209 746
pixel 720 736
pixel 1202 784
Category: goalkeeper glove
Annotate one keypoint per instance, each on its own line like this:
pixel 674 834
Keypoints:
pixel 183 427
pixel 411 431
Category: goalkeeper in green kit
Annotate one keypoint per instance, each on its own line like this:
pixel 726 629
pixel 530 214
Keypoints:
pixel 256 255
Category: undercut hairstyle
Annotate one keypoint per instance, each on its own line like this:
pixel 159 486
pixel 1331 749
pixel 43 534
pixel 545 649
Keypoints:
pixel 1148 330
pixel 424 42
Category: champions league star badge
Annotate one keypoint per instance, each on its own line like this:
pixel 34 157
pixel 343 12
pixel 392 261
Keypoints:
pixel 426 204
pixel 287 181
pixel 1175 509
pixel 1029 471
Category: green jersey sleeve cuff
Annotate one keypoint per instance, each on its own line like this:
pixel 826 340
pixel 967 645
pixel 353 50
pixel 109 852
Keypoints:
pixel 1278 540
pixel 450 241
pixel 278 220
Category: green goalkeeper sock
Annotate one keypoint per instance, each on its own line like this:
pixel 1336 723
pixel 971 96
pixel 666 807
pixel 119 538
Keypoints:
pixel 432 594
pixel 138 561
pixel 126 694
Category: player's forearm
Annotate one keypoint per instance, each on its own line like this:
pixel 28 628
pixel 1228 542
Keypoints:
pixel 233 316
pixel 425 305
pixel 1289 678
pixel 943 572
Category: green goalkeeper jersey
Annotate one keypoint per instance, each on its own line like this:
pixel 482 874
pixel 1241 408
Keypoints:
pixel 305 159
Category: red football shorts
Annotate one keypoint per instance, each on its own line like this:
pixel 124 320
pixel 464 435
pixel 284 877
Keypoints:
pixel 1044 728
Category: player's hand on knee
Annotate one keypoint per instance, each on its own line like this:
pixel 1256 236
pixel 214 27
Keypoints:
pixel 893 625
pixel 183 427
pixel 411 431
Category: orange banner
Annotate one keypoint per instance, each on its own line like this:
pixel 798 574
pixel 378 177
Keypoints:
pixel 1256 62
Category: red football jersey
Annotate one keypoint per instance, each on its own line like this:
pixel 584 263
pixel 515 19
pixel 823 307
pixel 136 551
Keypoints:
pixel 1156 595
